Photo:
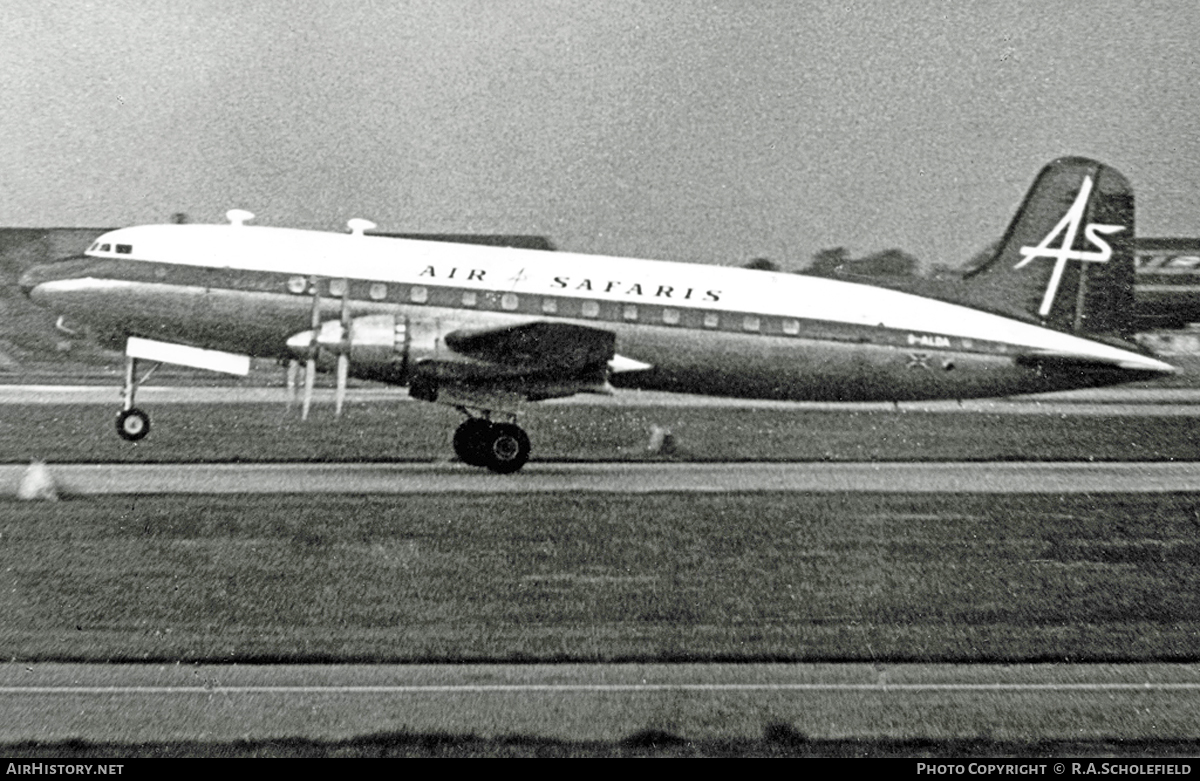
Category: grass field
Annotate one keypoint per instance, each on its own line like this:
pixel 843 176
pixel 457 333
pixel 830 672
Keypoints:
pixel 421 432
pixel 666 576
pixel 660 577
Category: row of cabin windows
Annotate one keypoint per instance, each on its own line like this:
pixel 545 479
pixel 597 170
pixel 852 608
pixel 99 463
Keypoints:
pixel 419 294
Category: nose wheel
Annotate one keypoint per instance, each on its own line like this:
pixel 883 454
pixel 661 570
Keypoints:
pixel 133 424
pixel 501 447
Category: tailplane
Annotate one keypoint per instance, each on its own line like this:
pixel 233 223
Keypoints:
pixel 1066 260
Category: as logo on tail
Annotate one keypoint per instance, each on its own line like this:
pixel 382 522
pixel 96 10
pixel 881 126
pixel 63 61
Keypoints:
pixel 1068 226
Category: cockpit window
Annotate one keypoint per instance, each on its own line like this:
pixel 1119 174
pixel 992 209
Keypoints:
pixel 124 249
pixel 105 247
pixel 95 245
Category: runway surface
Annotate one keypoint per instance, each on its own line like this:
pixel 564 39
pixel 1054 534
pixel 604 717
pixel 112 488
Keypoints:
pixel 622 478
pixel 149 703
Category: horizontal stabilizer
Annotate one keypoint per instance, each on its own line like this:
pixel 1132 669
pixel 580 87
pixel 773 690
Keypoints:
pixel 1128 361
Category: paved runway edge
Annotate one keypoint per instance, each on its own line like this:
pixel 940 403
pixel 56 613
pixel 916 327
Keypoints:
pixel 74 480
pixel 592 702
pixel 596 702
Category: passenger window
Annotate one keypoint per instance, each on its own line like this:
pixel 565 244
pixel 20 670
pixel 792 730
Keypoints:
pixel 750 323
pixel 509 301
pixel 590 309
pixel 378 291
pixel 337 287
pixel 712 320
pixel 791 327
pixel 549 305
pixel 419 294
pixel 630 312
pixel 470 298
pixel 297 285
pixel 671 316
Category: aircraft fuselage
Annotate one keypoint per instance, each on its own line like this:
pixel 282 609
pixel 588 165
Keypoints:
pixel 700 329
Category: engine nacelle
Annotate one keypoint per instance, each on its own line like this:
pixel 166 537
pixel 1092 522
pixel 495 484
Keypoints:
pixel 380 347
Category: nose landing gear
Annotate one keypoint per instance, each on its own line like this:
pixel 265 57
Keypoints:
pixel 132 423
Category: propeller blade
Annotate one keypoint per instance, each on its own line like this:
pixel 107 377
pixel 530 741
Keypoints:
pixel 310 376
pixel 293 370
pixel 343 371
pixel 310 365
pixel 343 359
pixel 316 307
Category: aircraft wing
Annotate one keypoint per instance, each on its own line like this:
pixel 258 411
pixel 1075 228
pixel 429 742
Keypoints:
pixel 536 360
pixel 541 348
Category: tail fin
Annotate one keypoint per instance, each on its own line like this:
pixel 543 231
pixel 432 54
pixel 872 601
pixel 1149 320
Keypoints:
pixel 1066 260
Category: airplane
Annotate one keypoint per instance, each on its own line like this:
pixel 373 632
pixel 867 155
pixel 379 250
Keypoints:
pixel 489 329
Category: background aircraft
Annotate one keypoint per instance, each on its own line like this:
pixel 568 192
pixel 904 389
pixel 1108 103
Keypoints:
pixel 1167 287
pixel 486 329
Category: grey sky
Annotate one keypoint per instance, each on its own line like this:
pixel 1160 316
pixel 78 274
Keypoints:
pixel 706 131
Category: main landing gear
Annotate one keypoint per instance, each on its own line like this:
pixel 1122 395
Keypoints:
pixel 501 447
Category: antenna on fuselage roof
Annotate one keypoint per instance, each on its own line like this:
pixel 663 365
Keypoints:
pixel 358 226
pixel 238 216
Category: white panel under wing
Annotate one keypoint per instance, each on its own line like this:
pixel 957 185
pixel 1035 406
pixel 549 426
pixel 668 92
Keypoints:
pixel 168 352
pixel 620 363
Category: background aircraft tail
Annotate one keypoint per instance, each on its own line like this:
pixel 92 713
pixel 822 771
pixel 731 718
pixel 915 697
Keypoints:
pixel 1066 260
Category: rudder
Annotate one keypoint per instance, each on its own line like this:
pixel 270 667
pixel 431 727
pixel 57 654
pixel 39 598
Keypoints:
pixel 1066 259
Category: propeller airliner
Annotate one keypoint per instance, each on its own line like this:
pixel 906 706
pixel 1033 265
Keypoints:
pixel 488 329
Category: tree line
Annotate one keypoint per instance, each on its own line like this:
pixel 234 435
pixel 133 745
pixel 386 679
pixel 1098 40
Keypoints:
pixel 837 262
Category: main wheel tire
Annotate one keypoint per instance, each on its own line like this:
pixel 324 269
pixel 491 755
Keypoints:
pixel 507 448
pixel 133 424
pixel 470 441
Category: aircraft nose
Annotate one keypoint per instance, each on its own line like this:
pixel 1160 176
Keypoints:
pixel 47 272
pixel 31 278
